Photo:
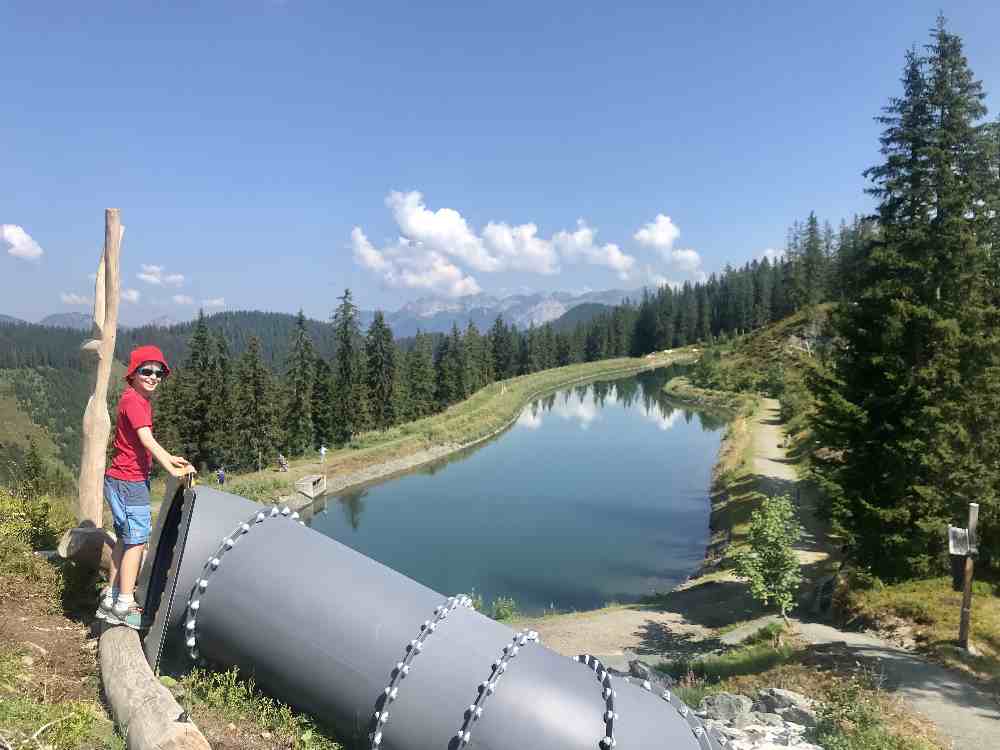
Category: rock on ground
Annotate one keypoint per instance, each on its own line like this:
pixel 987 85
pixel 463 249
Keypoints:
pixel 747 725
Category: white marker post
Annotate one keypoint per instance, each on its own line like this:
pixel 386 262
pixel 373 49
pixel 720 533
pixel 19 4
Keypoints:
pixel 964 542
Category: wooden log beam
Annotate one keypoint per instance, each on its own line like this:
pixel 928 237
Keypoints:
pixel 88 546
pixel 101 345
pixel 145 712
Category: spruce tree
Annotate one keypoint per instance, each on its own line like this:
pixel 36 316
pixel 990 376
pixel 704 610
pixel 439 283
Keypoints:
pixel 300 372
pixel 906 407
pixel 255 419
pixel 504 355
pixel 196 392
pixel 221 408
pixel 360 397
pixel 347 335
pixel 813 263
pixel 380 351
pixel 322 403
pixel 420 377
pixel 476 365
pixel 401 406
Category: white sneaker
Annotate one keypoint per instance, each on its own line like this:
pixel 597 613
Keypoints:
pixel 106 609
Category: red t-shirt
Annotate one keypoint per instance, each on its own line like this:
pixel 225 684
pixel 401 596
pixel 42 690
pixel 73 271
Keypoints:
pixel 131 461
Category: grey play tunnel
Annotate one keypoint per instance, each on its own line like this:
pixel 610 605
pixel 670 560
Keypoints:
pixel 376 655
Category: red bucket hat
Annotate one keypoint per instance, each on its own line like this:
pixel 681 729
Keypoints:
pixel 146 354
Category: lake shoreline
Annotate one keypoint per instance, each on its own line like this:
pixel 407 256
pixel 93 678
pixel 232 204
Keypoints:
pixel 378 472
pixel 734 451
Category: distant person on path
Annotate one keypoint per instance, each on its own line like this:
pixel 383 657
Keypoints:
pixel 322 454
pixel 221 474
pixel 126 483
pixel 282 462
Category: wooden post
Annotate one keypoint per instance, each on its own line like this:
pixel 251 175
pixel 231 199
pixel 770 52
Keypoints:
pixel 963 626
pixel 89 543
pixel 101 345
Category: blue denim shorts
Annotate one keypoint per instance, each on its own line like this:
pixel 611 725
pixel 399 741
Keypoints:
pixel 129 503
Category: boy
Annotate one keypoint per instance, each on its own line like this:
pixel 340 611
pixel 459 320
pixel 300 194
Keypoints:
pixel 126 483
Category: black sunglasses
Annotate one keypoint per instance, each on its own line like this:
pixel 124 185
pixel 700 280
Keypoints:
pixel 151 371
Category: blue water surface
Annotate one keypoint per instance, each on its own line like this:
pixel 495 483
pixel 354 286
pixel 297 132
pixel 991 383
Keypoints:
pixel 598 493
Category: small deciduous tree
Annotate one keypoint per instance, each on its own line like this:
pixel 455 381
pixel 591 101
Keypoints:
pixel 769 564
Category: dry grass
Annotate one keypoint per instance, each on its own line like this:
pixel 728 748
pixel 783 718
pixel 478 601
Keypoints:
pixel 733 493
pixel 930 611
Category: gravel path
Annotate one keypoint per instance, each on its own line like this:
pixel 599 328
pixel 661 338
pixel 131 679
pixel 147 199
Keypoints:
pixel 963 713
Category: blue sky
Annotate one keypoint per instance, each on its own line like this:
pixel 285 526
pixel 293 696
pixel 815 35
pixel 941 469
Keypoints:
pixel 269 154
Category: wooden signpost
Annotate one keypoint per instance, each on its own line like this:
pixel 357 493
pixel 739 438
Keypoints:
pixel 963 542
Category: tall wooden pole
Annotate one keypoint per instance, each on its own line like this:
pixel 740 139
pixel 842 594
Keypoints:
pixel 100 346
pixel 965 620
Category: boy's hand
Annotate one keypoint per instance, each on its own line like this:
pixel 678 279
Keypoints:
pixel 182 471
pixel 179 461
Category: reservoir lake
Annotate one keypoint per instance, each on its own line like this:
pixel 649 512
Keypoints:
pixel 598 493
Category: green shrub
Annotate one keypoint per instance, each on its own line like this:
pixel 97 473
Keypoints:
pixel 769 563
pixel 504 608
pixel 264 490
pixel 32 518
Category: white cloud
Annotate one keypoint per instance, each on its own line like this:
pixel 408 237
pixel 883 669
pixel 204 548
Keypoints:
pixel 771 254
pixel 661 233
pixel 131 295
pixel 412 267
pixel 155 275
pixel 580 244
pixel 182 299
pixel 21 244
pixel 656 280
pixel 214 302
pixel 518 248
pixel 443 231
pixel 71 298
pixel 686 260
pixel 438 249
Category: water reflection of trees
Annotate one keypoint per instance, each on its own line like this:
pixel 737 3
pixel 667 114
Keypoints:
pixel 644 389
pixel 353 506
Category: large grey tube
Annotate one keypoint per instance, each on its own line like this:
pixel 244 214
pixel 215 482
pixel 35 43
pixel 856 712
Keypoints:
pixel 381 657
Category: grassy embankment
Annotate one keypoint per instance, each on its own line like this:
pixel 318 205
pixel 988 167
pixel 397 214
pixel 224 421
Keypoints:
pixel 486 412
pixel 49 682
pixel 853 711
pixel 732 492
pixel 927 611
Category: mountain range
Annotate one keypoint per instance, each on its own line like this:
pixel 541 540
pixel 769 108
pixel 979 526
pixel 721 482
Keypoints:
pixel 437 314
pixel 428 314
